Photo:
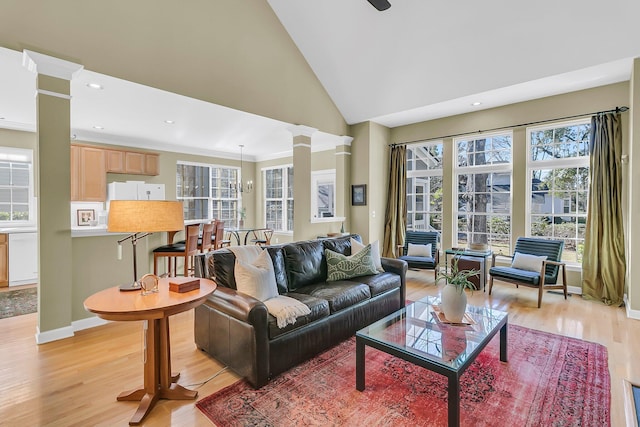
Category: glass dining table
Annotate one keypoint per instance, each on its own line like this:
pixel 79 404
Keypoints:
pixel 237 231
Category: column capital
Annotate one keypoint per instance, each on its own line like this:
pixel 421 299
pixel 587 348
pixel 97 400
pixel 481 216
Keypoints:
pixel 302 130
pixel 49 65
pixel 346 140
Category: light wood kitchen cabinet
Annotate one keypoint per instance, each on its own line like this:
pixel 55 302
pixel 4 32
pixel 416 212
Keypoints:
pixel 89 167
pixel 4 260
pixel 88 174
pixel 151 164
pixel 115 161
pixel 134 163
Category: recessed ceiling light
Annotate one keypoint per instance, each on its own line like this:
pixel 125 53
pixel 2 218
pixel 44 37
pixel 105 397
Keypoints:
pixel 475 104
pixel 169 122
pixel 98 127
pixel 94 85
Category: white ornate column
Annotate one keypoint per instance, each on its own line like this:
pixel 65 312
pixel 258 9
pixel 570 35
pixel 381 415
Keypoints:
pixel 53 192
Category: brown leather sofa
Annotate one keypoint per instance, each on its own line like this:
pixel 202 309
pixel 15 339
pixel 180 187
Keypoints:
pixel 237 329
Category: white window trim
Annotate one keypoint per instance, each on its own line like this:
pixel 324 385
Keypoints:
pixel 284 199
pixel 13 154
pixel 209 166
pixel 491 168
pixel 330 174
pixel 424 174
pixel 571 162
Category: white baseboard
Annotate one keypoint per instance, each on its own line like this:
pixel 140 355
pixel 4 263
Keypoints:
pixel 574 290
pixel 53 335
pixel 631 313
pixel 68 331
pixel 89 322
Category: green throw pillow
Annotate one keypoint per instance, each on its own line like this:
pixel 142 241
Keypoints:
pixel 342 267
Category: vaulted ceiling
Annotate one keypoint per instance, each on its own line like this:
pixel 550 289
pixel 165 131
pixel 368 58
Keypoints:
pixel 416 61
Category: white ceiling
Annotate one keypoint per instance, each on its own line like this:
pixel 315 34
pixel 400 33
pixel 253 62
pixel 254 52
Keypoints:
pixel 416 61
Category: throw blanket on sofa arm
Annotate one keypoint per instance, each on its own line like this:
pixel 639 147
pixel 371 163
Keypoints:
pixel 255 276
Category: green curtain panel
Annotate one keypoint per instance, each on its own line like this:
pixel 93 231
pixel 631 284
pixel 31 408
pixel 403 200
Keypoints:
pixel 603 263
pixel 396 214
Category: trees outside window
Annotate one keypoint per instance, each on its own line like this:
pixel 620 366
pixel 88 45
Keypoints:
pixel 424 186
pixel 558 171
pixel 483 176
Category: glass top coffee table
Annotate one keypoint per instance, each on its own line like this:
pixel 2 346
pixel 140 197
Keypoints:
pixel 417 334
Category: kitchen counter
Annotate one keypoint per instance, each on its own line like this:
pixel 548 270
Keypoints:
pixel 13 230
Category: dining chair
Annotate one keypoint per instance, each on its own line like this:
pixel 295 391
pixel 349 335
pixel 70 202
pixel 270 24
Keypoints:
pixel 218 238
pixel 206 241
pixel 186 250
pixel 262 237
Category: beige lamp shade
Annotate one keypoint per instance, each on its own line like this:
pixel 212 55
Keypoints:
pixel 150 216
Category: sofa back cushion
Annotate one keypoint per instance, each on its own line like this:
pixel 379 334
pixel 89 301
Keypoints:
pixel 341 245
pixel 277 256
pixel 305 264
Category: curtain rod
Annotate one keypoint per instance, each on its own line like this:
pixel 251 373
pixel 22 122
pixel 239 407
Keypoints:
pixel 616 110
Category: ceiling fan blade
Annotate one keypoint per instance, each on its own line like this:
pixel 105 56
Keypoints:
pixel 380 4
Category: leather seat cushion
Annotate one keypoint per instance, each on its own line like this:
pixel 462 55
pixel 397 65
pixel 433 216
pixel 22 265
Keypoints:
pixel 419 261
pixel 176 247
pixel 340 294
pixel 319 309
pixel 380 283
pixel 526 276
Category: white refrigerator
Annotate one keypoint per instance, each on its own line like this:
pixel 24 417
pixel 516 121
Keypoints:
pixel 134 190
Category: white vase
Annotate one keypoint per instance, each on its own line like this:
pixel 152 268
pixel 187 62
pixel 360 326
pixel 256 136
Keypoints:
pixel 453 303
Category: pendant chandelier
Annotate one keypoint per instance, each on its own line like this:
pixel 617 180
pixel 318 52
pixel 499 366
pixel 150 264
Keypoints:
pixel 239 185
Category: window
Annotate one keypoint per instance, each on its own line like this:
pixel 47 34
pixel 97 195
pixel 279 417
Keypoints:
pixel 558 173
pixel 483 177
pixel 16 186
pixel 424 186
pixel 323 194
pixel 208 192
pixel 278 190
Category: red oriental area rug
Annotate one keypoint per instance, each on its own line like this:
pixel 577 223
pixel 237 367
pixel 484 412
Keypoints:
pixel 550 380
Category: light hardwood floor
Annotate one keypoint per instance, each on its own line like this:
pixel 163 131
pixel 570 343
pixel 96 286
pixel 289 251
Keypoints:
pixel 74 382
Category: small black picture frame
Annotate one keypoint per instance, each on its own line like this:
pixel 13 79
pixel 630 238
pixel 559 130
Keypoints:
pixel 359 195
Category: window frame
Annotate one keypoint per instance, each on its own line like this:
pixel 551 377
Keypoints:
pixel 14 155
pixel 210 200
pixel 552 164
pixel 424 175
pixel 492 168
pixel 286 199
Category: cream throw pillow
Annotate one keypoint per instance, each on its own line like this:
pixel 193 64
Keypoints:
pixel 527 262
pixel 256 278
pixel 419 250
pixel 375 252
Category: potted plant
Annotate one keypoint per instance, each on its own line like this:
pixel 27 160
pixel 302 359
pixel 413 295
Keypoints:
pixel 242 213
pixel 453 298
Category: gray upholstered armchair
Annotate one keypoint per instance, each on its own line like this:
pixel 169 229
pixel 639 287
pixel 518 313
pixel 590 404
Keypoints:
pixel 526 270
pixel 422 261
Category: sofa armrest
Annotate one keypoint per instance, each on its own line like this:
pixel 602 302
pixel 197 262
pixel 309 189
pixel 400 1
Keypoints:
pixel 239 306
pixel 399 267
pixel 393 265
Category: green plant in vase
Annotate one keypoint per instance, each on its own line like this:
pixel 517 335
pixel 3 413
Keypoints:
pixel 242 213
pixel 453 298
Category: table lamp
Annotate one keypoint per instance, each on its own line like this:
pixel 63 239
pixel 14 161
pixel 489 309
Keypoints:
pixel 141 218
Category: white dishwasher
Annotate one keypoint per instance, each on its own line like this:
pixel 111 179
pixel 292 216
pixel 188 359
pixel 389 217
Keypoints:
pixel 23 258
